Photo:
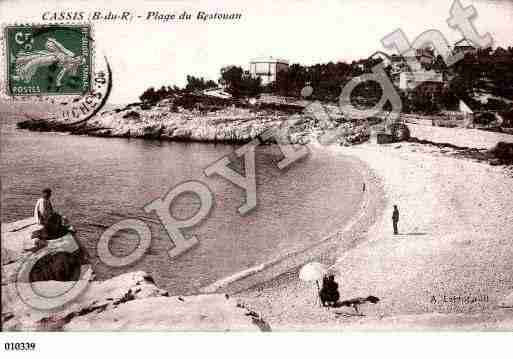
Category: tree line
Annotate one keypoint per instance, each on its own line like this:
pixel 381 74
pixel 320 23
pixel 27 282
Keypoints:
pixel 484 70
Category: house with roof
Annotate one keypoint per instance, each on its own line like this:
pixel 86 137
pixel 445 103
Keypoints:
pixel 267 68
pixel 430 82
pixel 420 62
pixel 426 56
pixel 464 46
pixel 380 55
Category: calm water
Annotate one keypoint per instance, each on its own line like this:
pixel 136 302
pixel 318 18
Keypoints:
pixel 96 180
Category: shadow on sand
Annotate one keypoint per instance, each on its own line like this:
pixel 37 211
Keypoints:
pixel 348 315
pixel 413 234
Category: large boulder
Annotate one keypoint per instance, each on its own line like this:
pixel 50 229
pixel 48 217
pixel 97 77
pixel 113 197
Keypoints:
pixel 400 132
pixel 383 138
pixel 19 242
pixel 503 151
pixel 58 266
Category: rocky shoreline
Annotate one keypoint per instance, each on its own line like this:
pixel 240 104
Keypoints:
pixel 130 301
pixel 198 118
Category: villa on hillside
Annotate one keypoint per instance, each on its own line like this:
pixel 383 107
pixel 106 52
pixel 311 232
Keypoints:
pixel 431 80
pixel 403 68
pixel 385 58
pixel 267 68
pixel 464 46
pixel 426 56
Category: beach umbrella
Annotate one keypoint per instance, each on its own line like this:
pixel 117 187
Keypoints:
pixel 313 271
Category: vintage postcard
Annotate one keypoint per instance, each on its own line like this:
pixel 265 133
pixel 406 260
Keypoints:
pixel 256 166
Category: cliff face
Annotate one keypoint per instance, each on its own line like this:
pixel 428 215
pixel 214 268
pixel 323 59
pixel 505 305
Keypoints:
pixel 130 301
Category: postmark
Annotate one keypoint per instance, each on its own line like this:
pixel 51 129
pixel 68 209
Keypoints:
pixel 60 65
pixel 50 59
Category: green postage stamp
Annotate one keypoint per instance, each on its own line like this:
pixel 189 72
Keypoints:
pixel 48 59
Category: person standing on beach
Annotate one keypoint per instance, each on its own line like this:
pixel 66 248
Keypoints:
pixel 395 218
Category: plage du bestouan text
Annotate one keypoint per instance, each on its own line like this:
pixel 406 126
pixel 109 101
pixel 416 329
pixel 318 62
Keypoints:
pixel 153 15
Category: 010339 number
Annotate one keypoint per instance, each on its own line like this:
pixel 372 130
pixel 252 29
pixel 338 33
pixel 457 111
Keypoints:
pixel 19 346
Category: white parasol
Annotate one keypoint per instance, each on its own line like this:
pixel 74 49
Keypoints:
pixel 313 271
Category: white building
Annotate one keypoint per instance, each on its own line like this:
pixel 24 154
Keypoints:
pixel 267 68
pixel 464 46
pixel 217 92
pixel 410 80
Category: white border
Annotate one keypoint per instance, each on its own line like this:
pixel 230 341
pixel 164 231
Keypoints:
pixel 309 345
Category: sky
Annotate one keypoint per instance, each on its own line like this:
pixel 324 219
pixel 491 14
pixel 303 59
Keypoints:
pixel 151 53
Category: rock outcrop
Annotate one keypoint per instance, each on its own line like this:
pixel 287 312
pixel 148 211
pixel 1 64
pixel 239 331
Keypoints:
pixel 503 152
pixel 131 301
pixel 19 243
pixel 189 117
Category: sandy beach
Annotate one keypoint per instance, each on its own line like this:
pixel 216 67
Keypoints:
pixel 450 267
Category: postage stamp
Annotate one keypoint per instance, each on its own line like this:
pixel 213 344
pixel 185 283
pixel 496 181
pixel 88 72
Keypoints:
pixel 48 59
